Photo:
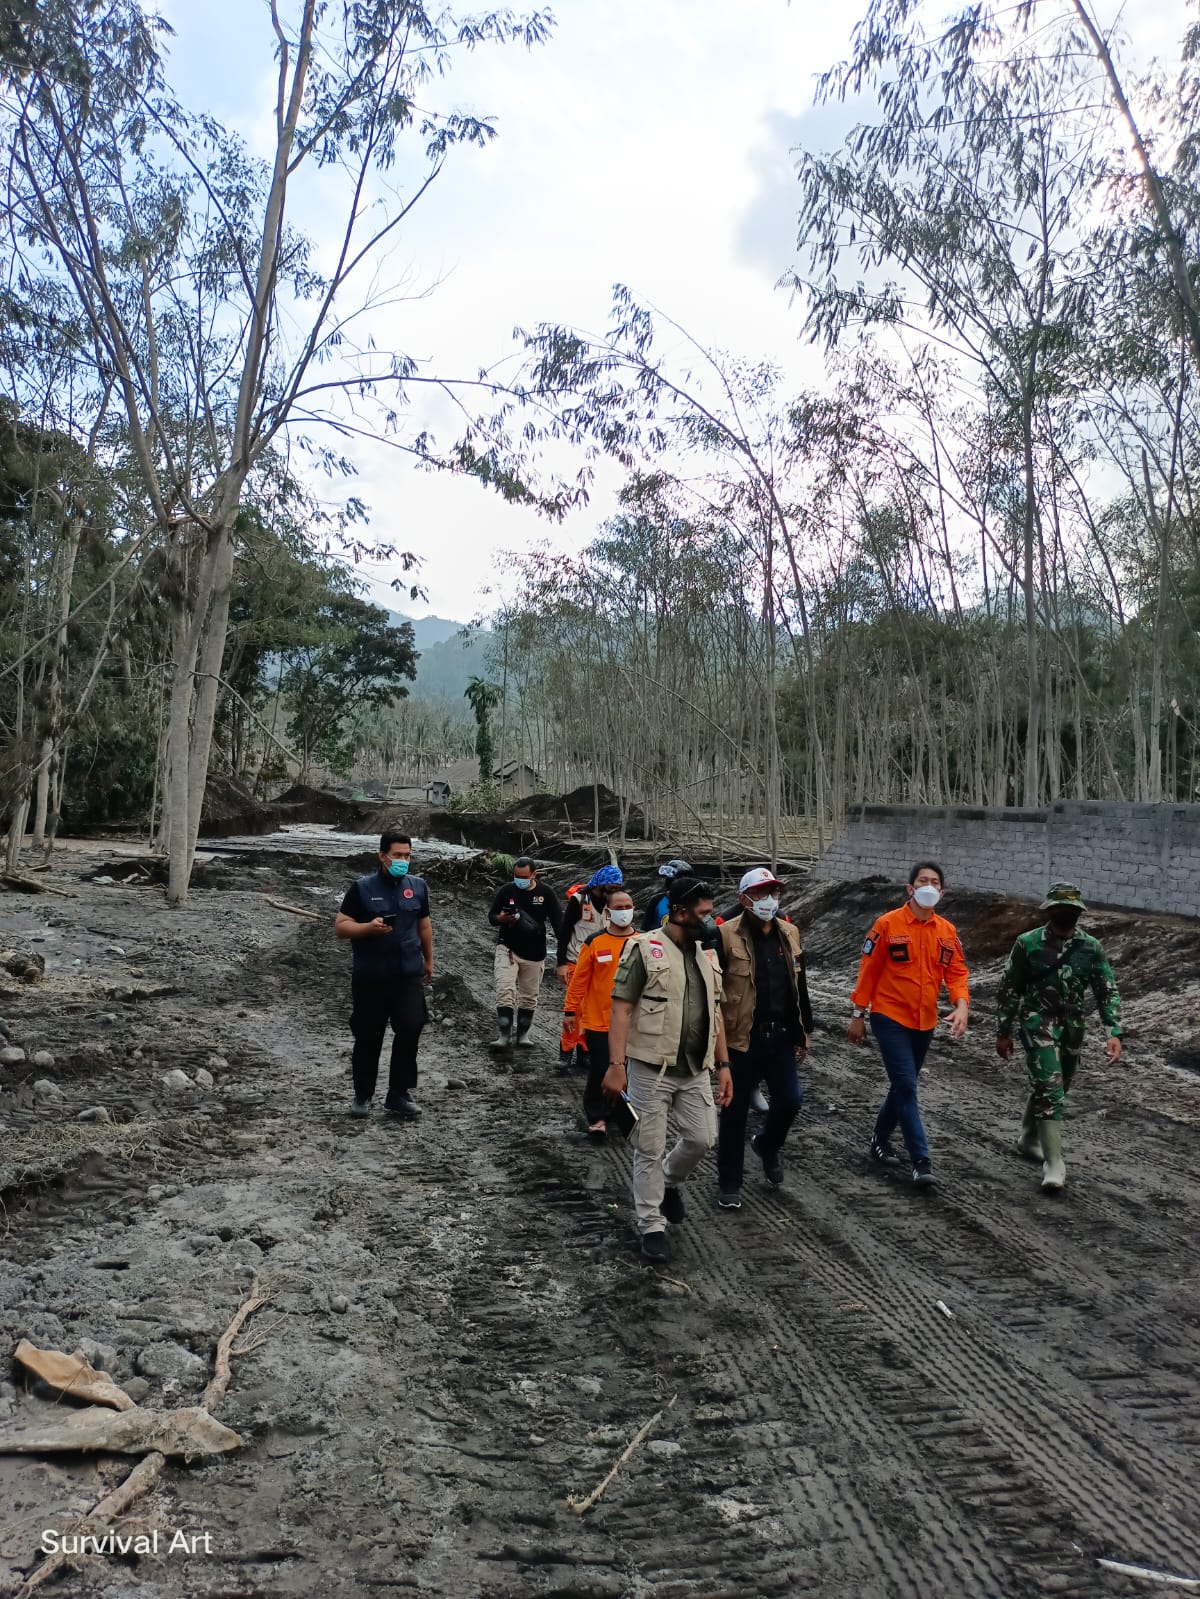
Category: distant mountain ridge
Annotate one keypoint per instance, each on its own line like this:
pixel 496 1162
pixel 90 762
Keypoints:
pixel 448 662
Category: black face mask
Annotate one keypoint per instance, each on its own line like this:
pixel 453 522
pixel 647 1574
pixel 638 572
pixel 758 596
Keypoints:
pixel 697 927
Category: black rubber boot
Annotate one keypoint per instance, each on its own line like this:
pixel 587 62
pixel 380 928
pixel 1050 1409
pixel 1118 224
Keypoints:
pixel 503 1039
pixel 524 1023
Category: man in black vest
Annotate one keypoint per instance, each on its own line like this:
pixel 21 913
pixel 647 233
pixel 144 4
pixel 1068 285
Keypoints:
pixel 386 917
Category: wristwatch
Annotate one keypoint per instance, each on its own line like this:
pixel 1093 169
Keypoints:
pixel 857 1012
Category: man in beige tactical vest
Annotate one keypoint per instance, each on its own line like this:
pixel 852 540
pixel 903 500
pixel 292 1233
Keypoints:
pixel 665 1038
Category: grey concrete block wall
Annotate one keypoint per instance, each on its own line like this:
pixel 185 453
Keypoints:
pixel 1145 857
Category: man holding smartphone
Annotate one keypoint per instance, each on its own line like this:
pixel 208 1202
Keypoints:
pixel 385 915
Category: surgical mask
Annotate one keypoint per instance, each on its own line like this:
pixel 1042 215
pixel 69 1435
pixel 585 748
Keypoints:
pixel 523 882
pixel 765 909
pixel 927 896
pixel 397 868
pixel 621 918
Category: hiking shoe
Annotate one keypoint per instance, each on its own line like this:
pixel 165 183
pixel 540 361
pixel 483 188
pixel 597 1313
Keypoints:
pixel 672 1206
pixel 923 1174
pixel 656 1247
pixel 772 1164
pixel 881 1156
pixel 404 1107
pixel 729 1199
pixel 360 1108
pixel 758 1102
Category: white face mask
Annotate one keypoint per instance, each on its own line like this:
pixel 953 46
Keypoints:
pixel 765 909
pixel 927 896
pixel 621 918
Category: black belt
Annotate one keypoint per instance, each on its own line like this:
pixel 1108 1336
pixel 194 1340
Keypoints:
pixel 769 1029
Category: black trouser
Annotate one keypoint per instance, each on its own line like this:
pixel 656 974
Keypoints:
pixel 771 1056
pixel 401 1001
pixel 594 1106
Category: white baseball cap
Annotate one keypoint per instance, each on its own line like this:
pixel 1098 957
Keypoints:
pixel 759 877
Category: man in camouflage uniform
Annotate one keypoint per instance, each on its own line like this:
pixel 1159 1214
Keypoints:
pixel 1042 996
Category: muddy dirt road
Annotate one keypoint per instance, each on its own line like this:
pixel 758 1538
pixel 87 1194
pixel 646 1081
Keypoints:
pixel 461 1333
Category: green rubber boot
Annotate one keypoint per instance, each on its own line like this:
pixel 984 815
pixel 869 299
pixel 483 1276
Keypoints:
pixel 1029 1144
pixel 1054 1171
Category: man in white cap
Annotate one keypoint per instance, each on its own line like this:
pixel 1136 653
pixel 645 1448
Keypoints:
pixel 768 1019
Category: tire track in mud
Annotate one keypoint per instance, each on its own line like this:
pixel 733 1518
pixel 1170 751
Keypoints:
pixel 993 1451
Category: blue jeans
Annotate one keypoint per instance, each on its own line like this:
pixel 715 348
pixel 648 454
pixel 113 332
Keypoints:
pixel 904 1050
pixel 772 1058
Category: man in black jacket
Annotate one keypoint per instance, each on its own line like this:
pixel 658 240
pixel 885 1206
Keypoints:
pixel 519 912
pixel 385 915
pixel 768 1021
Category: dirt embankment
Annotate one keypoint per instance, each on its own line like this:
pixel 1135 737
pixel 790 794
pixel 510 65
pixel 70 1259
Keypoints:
pixel 461 1333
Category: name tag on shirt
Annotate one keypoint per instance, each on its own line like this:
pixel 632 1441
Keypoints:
pixel 603 960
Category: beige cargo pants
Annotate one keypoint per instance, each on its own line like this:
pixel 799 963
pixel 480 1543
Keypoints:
pixel 655 1095
pixel 518 982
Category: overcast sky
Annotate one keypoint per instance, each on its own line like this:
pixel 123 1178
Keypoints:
pixel 648 143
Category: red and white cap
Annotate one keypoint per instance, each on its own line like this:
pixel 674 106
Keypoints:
pixel 759 877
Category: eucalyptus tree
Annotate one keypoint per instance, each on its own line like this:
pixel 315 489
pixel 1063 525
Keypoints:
pixel 203 308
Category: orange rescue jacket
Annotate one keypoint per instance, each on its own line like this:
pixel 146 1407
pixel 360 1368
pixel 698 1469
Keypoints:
pixel 589 993
pixel 904 963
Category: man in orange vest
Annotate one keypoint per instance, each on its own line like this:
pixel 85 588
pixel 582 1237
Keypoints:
pixel 909 954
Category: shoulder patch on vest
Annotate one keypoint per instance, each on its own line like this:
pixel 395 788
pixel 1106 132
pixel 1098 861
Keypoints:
pixel 869 947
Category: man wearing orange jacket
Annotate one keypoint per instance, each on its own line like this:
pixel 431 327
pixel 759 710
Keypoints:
pixel 588 1005
pixel 908 955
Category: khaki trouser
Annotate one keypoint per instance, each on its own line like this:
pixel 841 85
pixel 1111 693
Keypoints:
pixel 690 1099
pixel 517 982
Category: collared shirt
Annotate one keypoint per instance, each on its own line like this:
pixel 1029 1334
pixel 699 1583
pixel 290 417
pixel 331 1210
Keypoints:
pixel 905 961
pixel 1047 979
pixel 693 1040
pixel 773 999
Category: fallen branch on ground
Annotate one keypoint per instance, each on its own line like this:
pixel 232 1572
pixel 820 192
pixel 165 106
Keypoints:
pixel 1148 1575
pixel 146 1473
pixel 296 910
pixel 27 885
pixel 580 1505
pixel 215 1391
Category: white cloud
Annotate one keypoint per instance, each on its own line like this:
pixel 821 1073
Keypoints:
pixel 642 144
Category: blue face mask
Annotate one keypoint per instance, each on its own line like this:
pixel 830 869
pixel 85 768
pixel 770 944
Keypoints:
pixel 523 882
pixel 397 868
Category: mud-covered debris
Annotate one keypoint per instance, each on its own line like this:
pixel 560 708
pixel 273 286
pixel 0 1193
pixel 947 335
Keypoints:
pixel 44 1059
pixel 45 1089
pixel 94 1113
pixel 177 1081
pixel 204 1078
pixel 72 1374
pixel 10 1055
pixel 188 1432
pixel 26 966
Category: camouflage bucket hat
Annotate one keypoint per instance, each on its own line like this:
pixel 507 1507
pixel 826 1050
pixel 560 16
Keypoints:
pixel 1063 894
